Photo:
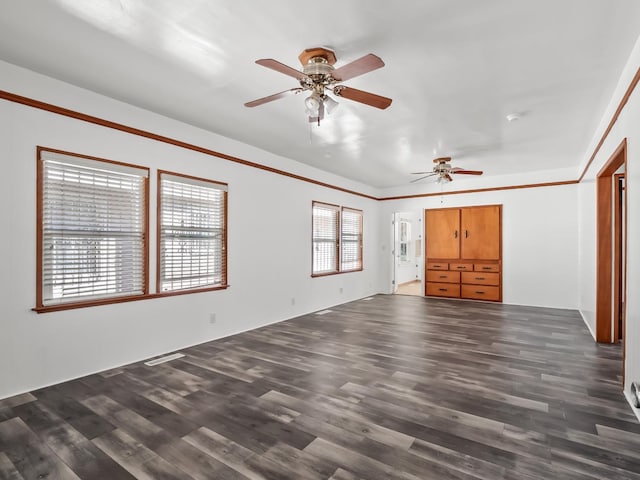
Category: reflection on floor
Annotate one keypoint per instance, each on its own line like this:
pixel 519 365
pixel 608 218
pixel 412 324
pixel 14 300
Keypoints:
pixel 410 288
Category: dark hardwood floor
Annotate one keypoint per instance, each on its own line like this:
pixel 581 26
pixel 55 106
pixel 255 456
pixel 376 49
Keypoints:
pixel 392 387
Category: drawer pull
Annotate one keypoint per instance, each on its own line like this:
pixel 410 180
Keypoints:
pixel 443 276
pixel 479 278
pixel 442 289
pixel 455 234
pixel 461 267
pixel 479 292
pixel 486 268
pixel 437 266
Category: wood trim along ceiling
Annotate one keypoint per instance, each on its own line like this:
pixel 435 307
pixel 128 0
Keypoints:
pixel 12 97
pixel 614 119
pixel 478 190
pixel 164 139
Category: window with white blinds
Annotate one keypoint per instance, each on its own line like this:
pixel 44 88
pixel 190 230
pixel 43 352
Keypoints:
pixel 93 240
pixel 192 225
pixel 326 221
pixel 351 240
pixel 336 238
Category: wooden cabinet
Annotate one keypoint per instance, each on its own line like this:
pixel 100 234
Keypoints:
pixel 464 252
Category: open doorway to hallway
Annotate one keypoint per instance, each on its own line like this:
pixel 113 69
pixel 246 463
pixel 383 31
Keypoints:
pixel 407 253
pixel 611 251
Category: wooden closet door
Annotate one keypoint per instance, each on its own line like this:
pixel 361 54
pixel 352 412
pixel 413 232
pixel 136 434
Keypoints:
pixel 480 232
pixel 442 232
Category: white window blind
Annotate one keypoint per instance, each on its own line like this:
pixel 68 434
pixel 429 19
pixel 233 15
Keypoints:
pixel 351 240
pixel 325 228
pixel 192 233
pixel 93 229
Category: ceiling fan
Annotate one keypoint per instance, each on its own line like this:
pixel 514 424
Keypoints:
pixel 319 75
pixel 444 170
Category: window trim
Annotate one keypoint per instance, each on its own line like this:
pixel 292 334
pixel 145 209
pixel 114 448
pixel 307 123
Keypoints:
pixel 225 283
pixel 338 271
pixel 40 307
pixel 147 295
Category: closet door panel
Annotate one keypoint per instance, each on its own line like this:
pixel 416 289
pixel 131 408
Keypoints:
pixel 442 231
pixel 480 232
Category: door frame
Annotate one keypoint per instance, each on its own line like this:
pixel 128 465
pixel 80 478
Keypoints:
pixel 619 252
pixel 605 233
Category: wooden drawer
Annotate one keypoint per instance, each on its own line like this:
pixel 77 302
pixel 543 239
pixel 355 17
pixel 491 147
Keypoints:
pixel 486 267
pixel 481 278
pixel 443 289
pixel 443 277
pixel 437 266
pixel 481 292
pixel 461 266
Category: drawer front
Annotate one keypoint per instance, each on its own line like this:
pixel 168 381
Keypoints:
pixel 481 278
pixel 486 267
pixel 461 267
pixel 443 277
pixel 443 289
pixel 481 292
pixel 437 266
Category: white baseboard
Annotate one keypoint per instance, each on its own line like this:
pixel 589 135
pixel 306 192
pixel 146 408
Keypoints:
pixel 593 334
pixel 627 395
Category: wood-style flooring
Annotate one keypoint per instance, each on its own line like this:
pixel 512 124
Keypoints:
pixel 410 288
pixel 391 387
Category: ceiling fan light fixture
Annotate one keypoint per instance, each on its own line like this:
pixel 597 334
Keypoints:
pixel 330 104
pixel 312 104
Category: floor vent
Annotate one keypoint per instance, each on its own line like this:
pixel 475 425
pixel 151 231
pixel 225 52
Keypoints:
pixel 166 358
pixel 323 312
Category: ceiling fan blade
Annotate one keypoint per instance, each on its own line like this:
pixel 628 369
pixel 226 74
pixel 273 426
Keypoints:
pixel 282 68
pixel 420 173
pixel 362 97
pixel 358 67
pixel 422 178
pixel 273 97
pixel 466 172
pixel 448 177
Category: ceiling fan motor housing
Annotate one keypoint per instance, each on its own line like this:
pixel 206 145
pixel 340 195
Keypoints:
pixel 318 66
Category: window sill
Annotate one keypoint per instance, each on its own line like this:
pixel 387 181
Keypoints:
pixel 133 298
pixel 328 274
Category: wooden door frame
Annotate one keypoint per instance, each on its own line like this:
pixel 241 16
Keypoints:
pixel 604 244
pixel 618 246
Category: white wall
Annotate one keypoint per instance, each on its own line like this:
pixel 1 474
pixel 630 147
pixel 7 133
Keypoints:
pixel 539 234
pixel 627 126
pixel 269 241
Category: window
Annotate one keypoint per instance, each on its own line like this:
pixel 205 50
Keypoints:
pixel 351 240
pixel 92 233
pixel 336 239
pixel 404 240
pixel 192 233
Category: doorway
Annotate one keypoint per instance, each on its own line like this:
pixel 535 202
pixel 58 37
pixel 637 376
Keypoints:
pixel 611 250
pixel 407 253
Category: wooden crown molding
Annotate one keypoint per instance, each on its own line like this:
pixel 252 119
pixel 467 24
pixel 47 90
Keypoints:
pixel 12 97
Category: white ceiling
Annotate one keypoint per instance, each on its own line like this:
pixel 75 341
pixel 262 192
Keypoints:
pixel 454 69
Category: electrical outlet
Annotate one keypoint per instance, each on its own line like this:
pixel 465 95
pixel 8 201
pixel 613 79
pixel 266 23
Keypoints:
pixel 212 318
pixel 293 301
pixel 341 290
